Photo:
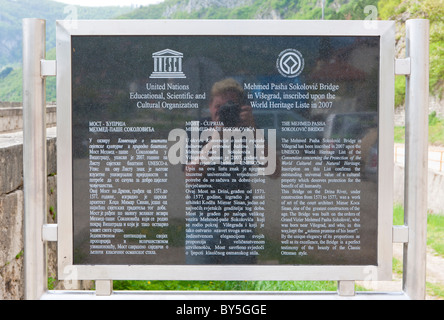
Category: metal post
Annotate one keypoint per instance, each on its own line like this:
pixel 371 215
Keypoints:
pixel 416 166
pixel 34 157
pixel 323 9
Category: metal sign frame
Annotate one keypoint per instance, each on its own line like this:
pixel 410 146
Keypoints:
pixel 38 232
pixel 66 29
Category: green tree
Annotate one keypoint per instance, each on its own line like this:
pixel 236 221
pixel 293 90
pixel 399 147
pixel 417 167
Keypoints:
pixel 401 10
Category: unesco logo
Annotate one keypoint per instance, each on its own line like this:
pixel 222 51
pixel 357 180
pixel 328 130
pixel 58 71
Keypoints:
pixel 168 65
pixel 290 63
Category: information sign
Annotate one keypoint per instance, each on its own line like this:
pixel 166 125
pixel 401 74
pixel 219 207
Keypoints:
pixel 211 148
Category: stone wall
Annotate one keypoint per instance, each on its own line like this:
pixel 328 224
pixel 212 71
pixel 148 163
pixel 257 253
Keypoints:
pixel 11 195
pixel 11 211
pixel 11 116
pixel 11 245
pixel 435 187
pixel 435 105
pixel 12 216
pixel 11 221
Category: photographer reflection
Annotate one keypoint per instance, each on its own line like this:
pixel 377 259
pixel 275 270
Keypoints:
pixel 221 224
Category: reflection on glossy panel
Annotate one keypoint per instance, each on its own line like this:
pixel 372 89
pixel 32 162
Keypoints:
pixel 223 150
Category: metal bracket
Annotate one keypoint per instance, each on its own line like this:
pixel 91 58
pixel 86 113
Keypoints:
pixel 402 67
pixel 104 287
pixel 48 68
pixel 400 234
pixel 49 232
pixel 346 288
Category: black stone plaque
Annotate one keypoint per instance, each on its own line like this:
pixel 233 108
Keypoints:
pixel 214 150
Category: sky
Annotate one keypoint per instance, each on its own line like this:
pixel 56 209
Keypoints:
pixel 100 3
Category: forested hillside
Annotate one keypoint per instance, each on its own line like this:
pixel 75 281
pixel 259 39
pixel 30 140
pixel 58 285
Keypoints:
pixel 253 9
pixel 13 11
pixel 399 10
